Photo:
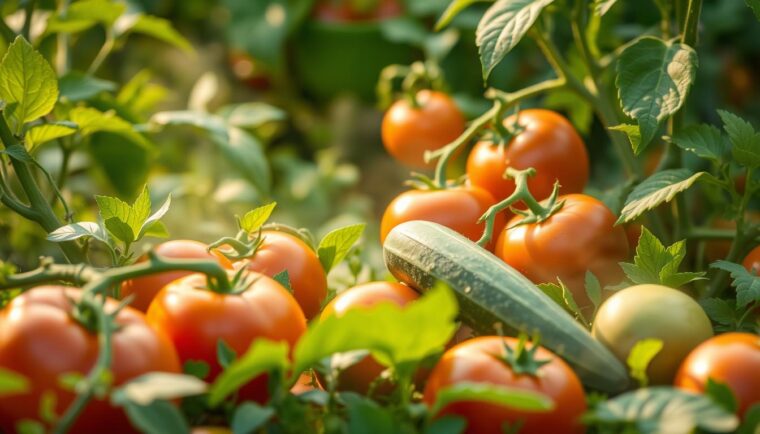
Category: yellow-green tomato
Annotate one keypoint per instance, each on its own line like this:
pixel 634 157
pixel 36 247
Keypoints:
pixel 653 311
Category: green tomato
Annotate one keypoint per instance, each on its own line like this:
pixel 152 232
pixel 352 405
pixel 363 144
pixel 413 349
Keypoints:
pixel 653 311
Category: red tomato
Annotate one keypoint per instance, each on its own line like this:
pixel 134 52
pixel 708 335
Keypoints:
pixel 146 287
pixel 344 11
pixel 582 236
pixel 196 319
pixel 478 361
pixel 41 340
pixel 280 252
pixel 409 131
pixel 548 143
pixel 457 208
pixel 752 261
pixel 360 376
pixel 732 359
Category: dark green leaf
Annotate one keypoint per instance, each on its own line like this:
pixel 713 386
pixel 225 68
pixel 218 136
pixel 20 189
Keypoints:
pixel 19 153
pixel 720 311
pixel 249 417
pixel 593 289
pixel 405 30
pixel 640 357
pixel 751 423
pixel 159 417
pixel 367 417
pixel 196 368
pixel 745 141
pixel 512 398
pixel 659 188
pixel 447 425
pixel 336 244
pixel 703 140
pixel 283 278
pixel 224 354
pixel 747 285
pixel 722 395
pixel 120 230
pixel 755 6
pixel 30 427
pixel 253 220
pixel 76 86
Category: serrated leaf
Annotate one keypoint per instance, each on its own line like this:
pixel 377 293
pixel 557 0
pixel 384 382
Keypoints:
pixel 78 230
pixel 120 230
pixel 12 383
pixel 249 417
pixel 155 27
pixel 503 25
pixel 745 141
pixel 654 263
pixel 755 6
pixel 747 285
pixel 722 395
pixel 720 311
pixel 75 86
pixel 512 398
pixel 252 114
pixel 335 245
pixel 28 82
pixel 40 134
pixel 703 140
pixel 659 188
pixel 152 222
pixel 653 79
pixel 640 357
pixel 253 220
pixel 153 386
pixel 601 7
pixel 159 417
pixel 453 9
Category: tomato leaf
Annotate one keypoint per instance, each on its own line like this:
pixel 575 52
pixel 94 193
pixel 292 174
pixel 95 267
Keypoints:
pixel 744 138
pixel 283 278
pixel 149 226
pixel 659 188
pixel 703 140
pixel 12 383
pixel 78 230
pixel 249 417
pixel 18 152
pixel 747 285
pixel 365 415
pixel 513 398
pixel 197 368
pixel 722 395
pixel 28 81
pixel 663 410
pixel 640 357
pixel 155 27
pixel 452 10
pixel 153 386
pixel 262 356
pixel 563 297
pixel 251 114
pixel 253 220
pixel 159 417
pixel 246 153
pixel 336 244
pixel 76 86
pixel 40 134
pixel 633 132
pixel 653 80
pixel 593 289
pixel 503 26
pixel 91 121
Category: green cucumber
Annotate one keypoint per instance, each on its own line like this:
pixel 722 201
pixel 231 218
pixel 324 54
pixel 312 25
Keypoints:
pixel 489 291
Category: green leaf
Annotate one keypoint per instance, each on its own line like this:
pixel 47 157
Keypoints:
pixel 654 263
pixel 263 356
pixel 40 134
pixel 503 26
pixel 446 425
pixel 512 398
pixel 640 357
pixel 126 222
pixel 745 141
pixel 152 223
pixel 751 424
pixel 601 7
pixel 755 6
pixel 334 247
pixel 154 386
pixel 722 395
pixel 367 417
pixel 12 383
pixel 28 82
pixel 75 86
pixel 122 161
pixel 27 426
pixel 720 311
pixel 633 132
pixel 157 28
pixel 225 354
pixel 78 230
pixel 253 220
pixel 653 80
pixel 91 121
pixel 563 297
pixel 283 278
pixel 747 285
pixel 246 153
pixel 659 410
pixel 18 152
pixel 197 368
pixel 213 124
pixel 83 14
pixel 252 114
pixel 249 417
pixel 659 188
pixel 159 417
pixel 703 140
pixel 398 335
pixel 593 289
pixel 454 8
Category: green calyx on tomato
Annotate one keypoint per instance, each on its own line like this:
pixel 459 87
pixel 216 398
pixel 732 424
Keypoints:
pixel 521 359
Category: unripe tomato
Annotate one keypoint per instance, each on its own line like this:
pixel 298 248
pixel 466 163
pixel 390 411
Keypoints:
pixel 358 378
pixel 196 319
pixel 409 131
pixel 146 287
pixel 580 237
pixel 546 142
pixel 280 251
pixel 652 311
pixel 752 261
pixel 41 340
pixel 732 359
pixel 456 208
pixel 478 361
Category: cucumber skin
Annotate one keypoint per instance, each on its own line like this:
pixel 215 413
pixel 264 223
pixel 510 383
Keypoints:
pixel 489 291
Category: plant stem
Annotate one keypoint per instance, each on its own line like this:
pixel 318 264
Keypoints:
pixel 105 50
pixel 62 55
pixel 691 26
pixel 710 234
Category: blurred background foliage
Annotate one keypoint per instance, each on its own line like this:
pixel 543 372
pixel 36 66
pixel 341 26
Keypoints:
pixel 276 101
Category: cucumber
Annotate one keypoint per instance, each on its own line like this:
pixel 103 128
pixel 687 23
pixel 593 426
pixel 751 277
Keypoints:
pixel 489 291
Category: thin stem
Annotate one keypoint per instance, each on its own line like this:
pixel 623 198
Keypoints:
pixel 29 13
pixel 62 55
pixel 691 26
pixel 56 192
pixel 105 50
pixel 710 234
pixel 64 169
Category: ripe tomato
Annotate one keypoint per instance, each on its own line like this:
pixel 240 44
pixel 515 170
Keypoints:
pixel 457 208
pixel 280 251
pixel 652 311
pixel 479 360
pixel 41 340
pixel 359 377
pixel 752 261
pixel 730 358
pixel 196 319
pixel 579 237
pixel 548 143
pixel 409 131
pixel 345 11
pixel 145 288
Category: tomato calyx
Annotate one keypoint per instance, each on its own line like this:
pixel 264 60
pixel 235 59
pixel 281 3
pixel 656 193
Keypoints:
pixel 412 78
pixel 521 360
pixel 240 282
pixel 239 247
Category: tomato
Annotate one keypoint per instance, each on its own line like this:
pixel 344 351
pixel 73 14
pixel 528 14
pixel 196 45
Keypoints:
pixel 732 359
pixel 408 131
pixel 146 287
pixel 752 261
pixel 580 237
pixel 280 252
pixel 457 208
pixel 41 340
pixel 359 377
pixel 547 142
pixel 480 360
pixel 345 11
pixel 196 319
pixel 652 311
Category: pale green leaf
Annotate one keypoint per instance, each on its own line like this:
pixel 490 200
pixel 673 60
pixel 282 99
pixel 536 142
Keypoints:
pixel 40 134
pixel 335 245
pixel 633 132
pixel 92 120
pixel 153 219
pixel 246 153
pixel 84 14
pixel 253 220
pixel 159 417
pixel 157 28
pixel 153 386
pixel 640 357
pixel 251 114
pixel 78 230
pixel 659 188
